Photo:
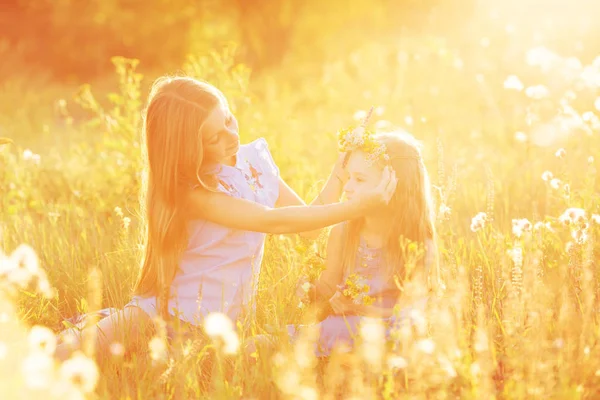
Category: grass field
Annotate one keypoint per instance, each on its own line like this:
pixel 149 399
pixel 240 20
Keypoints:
pixel 512 137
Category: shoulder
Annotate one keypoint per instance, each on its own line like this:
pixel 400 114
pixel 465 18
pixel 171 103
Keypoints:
pixel 258 153
pixel 254 147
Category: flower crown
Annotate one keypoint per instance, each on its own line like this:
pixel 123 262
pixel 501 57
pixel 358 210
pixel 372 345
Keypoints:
pixel 359 138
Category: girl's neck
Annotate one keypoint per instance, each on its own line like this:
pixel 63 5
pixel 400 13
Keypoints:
pixel 231 161
pixel 374 230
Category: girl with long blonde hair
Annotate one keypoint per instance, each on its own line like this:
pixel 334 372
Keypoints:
pixel 370 258
pixel 208 203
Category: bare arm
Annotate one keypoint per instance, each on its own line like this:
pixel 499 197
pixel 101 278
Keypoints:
pixel 250 216
pixel 330 193
pixel 333 274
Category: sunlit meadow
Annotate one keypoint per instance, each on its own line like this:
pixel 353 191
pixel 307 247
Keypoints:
pixel 508 111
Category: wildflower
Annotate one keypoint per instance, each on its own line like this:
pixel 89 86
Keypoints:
pixel 356 288
pixel 478 221
pixel 38 370
pixel 444 211
pixel 306 286
pixel 595 219
pixel 547 176
pixel 573 216
pixel 301 305
pixel 447 367
pixel 360 115
pixel 25 257
pixel 537 92
pixel 44 287
pixel 382 125
pixel 117 349
pixel 541 56
pixel 372 330
pixel 555 183
pixel 42 339
pixel 81 372
pixel 520 137
pixel 158 349
pixel 579 235
pixel 119 212
pixel 426 346
pixel 512 82
pixel 516 254
pixel 217 324
pixel 475 369
pixel 396 362
pixel 521 225
pixel 560 153
pixel 231 341
pixel 126 222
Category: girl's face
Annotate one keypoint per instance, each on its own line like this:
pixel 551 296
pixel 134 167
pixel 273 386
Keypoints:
pixel 220 136
pixel 362 176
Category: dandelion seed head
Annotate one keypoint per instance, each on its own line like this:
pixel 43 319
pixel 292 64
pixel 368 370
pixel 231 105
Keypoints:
pixel 396 362
pixel 117 349
pixel 537 92
pixel 231 342
pixel 81 372
pixel 360 115
pixel 512 82
pixel 158 349
pixel 520 137
pixel 555 183
pixel 444 211
pixel 547 176
pixel 38 370
pixel 217 324
pixel 372 330
pixel 426 346
pixel 42 339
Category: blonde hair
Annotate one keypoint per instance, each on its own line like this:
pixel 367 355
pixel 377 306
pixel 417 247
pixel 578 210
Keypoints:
pixel 176 111
pixel 410 209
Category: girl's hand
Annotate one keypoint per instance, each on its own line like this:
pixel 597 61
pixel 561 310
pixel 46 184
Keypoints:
pixel 341 304
pixel 383 192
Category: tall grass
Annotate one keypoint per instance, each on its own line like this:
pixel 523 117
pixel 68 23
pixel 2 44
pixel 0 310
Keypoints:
pixel 517 318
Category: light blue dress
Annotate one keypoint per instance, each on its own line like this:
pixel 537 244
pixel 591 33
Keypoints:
pixel 335 329
pixel 219 269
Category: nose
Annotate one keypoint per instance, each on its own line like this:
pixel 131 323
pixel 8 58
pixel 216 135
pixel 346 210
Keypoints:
pixel 348 189
pixel 232 137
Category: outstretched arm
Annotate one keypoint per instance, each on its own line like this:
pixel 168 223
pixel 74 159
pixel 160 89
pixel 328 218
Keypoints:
pixel 330 193
pixel 250 216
